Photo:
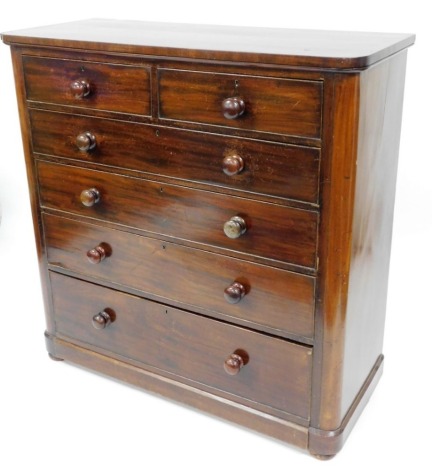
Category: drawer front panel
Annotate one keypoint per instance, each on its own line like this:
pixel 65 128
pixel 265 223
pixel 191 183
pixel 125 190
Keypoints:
pixel 279 170
pixel 276 373
pixel 274 298
pixel 109 87
pixel 274 105
pixel 273 232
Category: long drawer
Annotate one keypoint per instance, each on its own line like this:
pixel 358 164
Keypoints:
pixel 273 105
pixel 272 232
pixel 275 372
pixel 274 299
pixel 243 165
pixel 86 84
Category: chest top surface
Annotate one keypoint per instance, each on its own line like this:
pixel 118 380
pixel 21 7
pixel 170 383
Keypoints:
pixel 289 47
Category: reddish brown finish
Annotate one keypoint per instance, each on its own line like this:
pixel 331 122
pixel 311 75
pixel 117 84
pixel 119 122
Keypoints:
pixel 80 88
pixel 184 155
pixel 278 300
pixel 275 232
pixel 98 254
pixel 232 165
pixel 233 363
pixel 90 197
pixel 278 387
pixel 234 293
pixel 184 345
pixel 112 87
pixel 331 50
pixel 233 108
pixel 272 105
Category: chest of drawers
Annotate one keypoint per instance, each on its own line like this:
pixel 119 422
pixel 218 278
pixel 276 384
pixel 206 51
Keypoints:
pixel 213 210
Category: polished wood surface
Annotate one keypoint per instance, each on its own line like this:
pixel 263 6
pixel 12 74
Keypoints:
pixel 186 345
pixel 283 171
pixel 213 212
pixel 270 105
pixel 111 87
pixel 277 299
pixel 275 232
pixel 292 47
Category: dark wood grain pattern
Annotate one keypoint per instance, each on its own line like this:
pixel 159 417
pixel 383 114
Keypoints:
pixel 274 232
pixel 292 47
pixel 186 345
pixel 112 87
pixel 286 430
pixel 272 105
pixel 276 299
pixel 284 171
pixel 212 209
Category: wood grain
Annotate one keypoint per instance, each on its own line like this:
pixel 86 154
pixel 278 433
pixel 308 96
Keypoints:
pixel 274 232
pixel 114 87
pixel 280 46
pixel 272 105
pixel 279 300
pixel 283 171
pixel 186 345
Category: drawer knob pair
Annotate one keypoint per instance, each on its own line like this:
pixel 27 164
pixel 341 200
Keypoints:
pixel 80 88
pixel 233 107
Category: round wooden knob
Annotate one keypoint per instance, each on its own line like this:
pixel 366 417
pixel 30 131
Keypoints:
pixel 234 293
pixel 86 141
pixel 235 227
pixel 90 197
pixel 233 363
pixel 98 254
pixel 232 165
pixel 80 88
pixel 102 320
pixel 233 108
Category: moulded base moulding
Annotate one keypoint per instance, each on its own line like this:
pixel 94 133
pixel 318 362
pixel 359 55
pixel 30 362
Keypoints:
pixel 322 444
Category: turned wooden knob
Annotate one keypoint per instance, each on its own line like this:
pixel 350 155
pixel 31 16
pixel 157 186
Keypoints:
pixel 86 141
pixel 232 165
pixel 90 197
pixel 233 108
pixel 235 227
pixel 234 293
pixel 233 363
pixel 102 320
pixel 98 254
pixel 80 88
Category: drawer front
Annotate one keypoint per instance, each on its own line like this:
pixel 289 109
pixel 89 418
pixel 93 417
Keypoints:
pixel 276 299
pixel 102 86
pixel 284 171
pixel 276 373
pixel 274 105
pixel 273 232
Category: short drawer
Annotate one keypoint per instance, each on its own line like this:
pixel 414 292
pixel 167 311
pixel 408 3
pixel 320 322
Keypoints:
pixel 274 105
pixel 275 372
pixel 280 301
pixel 243 165
pixel 271 231
pixel 85 84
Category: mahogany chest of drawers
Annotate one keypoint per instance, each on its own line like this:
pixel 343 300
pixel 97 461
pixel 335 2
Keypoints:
pixel 213 212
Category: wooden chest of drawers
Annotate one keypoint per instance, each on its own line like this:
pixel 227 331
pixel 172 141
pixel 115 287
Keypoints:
pixel 213 211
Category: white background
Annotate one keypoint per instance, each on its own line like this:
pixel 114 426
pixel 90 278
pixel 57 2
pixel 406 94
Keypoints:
pixel 54 415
